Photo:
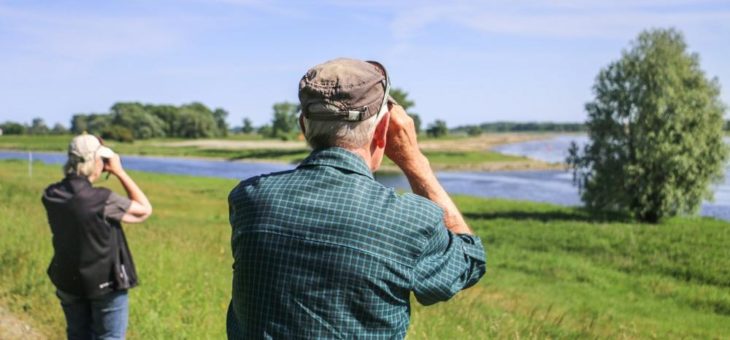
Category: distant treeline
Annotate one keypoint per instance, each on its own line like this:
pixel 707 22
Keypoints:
pixel 520 127
pixel 127 121
pixel 130 120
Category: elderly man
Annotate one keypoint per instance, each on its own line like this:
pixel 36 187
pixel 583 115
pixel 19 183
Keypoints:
pixel 325 251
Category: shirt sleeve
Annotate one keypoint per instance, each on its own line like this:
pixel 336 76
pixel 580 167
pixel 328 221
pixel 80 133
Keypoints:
pixel 450 262
pixel 116 207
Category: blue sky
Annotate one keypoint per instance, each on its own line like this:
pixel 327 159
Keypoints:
pixel 462 61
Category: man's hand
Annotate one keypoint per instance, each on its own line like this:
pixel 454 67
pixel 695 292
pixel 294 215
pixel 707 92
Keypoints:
pixel 140 208
pixel 402 148
pixel 113 165
pixel 402 144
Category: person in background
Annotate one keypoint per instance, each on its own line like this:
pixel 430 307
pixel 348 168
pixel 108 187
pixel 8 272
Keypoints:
pixel 92 267
pixel 325 251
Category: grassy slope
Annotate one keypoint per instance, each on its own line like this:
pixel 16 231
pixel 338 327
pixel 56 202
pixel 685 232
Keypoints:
pixel 552 271
pixel 151 147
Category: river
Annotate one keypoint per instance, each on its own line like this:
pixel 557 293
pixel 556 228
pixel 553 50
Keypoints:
pixel 556 150
pixel 540 186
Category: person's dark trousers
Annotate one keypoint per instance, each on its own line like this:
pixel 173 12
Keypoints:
pixel 102 318
pixel 232 329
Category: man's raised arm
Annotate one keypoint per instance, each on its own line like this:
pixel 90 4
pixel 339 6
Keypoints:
pixel 402 149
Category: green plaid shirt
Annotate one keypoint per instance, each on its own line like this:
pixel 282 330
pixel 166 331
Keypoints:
pixel 325 251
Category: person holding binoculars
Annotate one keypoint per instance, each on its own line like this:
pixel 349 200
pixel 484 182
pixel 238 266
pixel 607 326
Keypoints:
pixel 92 266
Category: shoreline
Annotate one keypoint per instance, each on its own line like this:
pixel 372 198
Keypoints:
pixel 445 155
pixel 495 166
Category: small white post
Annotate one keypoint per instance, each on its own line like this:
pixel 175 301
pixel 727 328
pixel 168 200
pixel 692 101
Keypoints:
pixel 30 164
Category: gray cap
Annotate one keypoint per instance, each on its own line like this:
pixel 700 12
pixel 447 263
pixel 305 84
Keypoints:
pixel 343 89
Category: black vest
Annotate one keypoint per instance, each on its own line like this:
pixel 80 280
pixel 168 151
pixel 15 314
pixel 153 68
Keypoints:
pixel 91 256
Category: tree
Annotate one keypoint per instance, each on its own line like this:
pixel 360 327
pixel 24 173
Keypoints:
pixel 473 130
pixel 247 126
pixel 169 114
pixel 93 123
pixel 118 133
pixel 78 123
pixel 284 121
pixel 401 97
pixel 194 123
pixel 134 117
pixel 437 129
pixel 655 128
pixel 38 127
pixel 220 118
pixel 264 130
pixel 13 128
pixel 59 129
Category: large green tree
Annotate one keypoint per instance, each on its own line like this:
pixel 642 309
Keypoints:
pixel 196 120
pixel 655 127
pixel 135 117
pixel 92 123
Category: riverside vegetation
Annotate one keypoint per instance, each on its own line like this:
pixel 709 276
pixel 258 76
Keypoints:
pixel 553 272
pixel 452 153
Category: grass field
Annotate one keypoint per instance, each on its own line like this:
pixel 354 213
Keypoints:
pixel 255 148
pixel 553 272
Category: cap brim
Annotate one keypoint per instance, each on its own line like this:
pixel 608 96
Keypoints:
pixel 105 152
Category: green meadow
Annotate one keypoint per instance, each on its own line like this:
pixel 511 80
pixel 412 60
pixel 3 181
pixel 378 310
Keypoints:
pixel 553 272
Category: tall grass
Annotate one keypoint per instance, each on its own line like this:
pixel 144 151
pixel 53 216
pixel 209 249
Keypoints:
pixel 553 272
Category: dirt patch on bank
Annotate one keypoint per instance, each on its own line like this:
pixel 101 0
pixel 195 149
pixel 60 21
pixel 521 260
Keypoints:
pixel 481 143
pixel 12 328
pixel 237 144
pixel 485 142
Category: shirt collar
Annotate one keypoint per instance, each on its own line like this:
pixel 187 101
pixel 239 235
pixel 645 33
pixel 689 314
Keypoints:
pixel 340 158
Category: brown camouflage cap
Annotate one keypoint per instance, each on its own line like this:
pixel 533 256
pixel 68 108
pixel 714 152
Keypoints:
pixel 343 89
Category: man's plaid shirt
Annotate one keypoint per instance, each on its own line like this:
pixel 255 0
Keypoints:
pixel 325 251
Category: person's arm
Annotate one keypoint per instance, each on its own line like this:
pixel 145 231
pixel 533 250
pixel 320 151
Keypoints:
pixel 453 258
pixel 140 208
pixel 402 148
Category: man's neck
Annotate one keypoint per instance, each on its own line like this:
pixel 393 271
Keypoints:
pixel 366 156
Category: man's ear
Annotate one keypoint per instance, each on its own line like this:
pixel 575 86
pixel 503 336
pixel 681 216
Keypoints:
pixel 301 123
pixel 381 131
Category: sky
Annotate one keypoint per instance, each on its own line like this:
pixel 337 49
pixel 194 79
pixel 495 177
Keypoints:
pixel 465 62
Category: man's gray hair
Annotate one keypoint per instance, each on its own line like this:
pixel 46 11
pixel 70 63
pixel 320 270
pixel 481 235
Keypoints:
pixel 344 134
pixel 76 165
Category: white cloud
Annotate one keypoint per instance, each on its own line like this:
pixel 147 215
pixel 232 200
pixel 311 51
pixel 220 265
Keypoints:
pixel 616 19
pixel 560 19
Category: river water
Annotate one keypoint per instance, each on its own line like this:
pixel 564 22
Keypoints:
pixel 540 186
pixel 556 150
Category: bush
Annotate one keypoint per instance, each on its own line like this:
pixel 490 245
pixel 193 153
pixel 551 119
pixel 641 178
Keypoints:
pixel 437 129
pixel 118 133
